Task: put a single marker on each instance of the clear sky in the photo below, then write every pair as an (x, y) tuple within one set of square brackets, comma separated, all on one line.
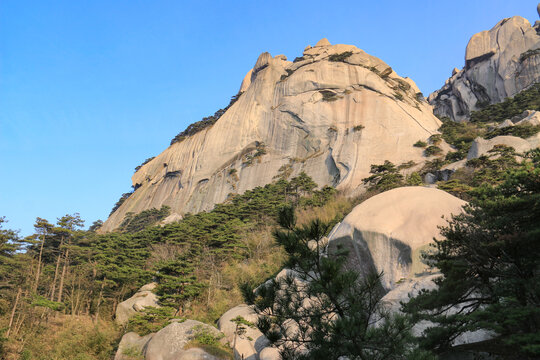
[(89, 89)]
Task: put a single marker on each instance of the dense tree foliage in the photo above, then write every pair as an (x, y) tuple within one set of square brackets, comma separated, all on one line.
[(62, 269), (490, 261), (388, 176), (137, 222), (528, 99)]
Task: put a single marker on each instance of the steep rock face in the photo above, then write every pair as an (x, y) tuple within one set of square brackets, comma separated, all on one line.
[(331, 119), (388, 231), (499, 63)]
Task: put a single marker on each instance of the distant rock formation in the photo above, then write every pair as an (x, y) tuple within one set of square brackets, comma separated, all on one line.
[(499, 63), (332, 113)]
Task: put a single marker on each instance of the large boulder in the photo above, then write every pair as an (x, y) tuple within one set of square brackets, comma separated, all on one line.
[(132, 346), (167, 344), (143, 298), (388, 231), (195, 354), (481, 146), (499, 63), (251, 342)]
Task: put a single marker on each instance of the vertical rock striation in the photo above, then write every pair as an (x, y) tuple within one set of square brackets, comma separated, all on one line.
[(331, 113)]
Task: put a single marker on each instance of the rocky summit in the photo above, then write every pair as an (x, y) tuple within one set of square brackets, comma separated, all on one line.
[(499, 63), (331, 113)]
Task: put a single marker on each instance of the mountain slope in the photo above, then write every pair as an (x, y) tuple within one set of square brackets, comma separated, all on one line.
[(331, 113)]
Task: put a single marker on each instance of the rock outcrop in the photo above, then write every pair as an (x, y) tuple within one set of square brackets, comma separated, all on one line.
[(332, 113), (481, 146), (144, 297), (167, 344), (499, 63), (388, 231), (251, 342)]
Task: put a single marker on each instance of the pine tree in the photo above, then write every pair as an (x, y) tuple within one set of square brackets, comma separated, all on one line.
[(323, 311), (490, 262)]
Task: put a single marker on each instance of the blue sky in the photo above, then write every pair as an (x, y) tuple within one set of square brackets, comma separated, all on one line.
[(89, 89)]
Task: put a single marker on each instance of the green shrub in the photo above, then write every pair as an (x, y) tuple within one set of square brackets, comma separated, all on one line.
[(403, 85), (358, 127), (205, 122), (144, 163), (529, 53), (340, 57), (455, 187), (133, 353), (385, 177), (209, 342), (150, 319), (523, 131), (414, 179), (432, 150), (460, 134), (328, 95), (528, 99), (133, 223), (43, 302), (205, 336), (119, 203), (406, 165), (260, 150), (453, 156), (420, 143), (318, 198), (435, 139)]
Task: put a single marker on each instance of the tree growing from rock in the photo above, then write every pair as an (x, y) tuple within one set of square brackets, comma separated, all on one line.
[(322, 310)]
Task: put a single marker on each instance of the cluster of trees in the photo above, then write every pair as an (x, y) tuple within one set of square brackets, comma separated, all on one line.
[(490, 261), (526, 100), (62, 269), (388, 176)]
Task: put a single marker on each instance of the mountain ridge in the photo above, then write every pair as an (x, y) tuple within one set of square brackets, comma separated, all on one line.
[(325, 114)]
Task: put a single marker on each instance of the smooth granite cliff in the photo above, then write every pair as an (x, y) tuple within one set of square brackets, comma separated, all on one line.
[(331, 113)]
